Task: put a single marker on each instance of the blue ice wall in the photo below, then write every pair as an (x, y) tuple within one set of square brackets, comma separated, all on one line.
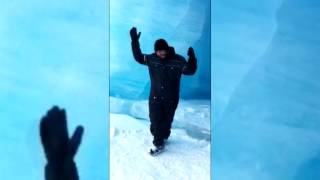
[(52, 53), (266, 90), (182, 23)]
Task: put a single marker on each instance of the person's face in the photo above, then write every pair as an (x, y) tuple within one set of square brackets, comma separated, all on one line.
[(162, 54)]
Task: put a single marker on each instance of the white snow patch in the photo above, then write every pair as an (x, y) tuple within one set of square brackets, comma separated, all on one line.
[(184, 158)]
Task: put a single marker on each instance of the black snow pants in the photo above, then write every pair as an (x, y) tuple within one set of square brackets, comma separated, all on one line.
[(161, 114)]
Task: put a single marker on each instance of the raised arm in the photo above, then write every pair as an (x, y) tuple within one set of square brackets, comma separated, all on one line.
[(191, 66), (136, 51)]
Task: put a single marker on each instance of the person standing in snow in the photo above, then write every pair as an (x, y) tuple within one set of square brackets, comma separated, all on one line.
[(165, 70)]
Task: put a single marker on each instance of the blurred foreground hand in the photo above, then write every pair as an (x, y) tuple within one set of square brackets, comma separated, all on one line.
[(59, 149)]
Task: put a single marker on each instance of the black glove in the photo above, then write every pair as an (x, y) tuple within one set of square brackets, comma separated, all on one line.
[(172, 52), (58, 147), (191, 53), (134, 35)]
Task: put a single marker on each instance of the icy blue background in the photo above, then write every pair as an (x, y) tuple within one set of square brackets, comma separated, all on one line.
[(183, 23), (265, 72), (266, 89), (52, 52)]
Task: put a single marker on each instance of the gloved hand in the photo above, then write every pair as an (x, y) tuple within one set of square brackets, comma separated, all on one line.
[(58, 147), (172, 52), (134, 35), (191, 53)]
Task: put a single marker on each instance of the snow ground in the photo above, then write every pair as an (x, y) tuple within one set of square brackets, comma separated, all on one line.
[(187, 154)]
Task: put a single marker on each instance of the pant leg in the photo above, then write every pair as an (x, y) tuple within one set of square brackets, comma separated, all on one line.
[(156, 115), (169, 111)]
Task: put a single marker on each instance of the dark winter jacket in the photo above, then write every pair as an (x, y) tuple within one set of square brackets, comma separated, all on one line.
[(165, 74)]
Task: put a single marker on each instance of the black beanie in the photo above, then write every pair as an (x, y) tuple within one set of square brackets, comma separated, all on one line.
[(161, 44)]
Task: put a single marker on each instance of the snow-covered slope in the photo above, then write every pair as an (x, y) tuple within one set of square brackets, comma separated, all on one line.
[(187, 154)]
